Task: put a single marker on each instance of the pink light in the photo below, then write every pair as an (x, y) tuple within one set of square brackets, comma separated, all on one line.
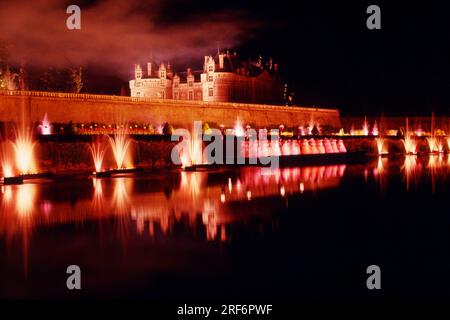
[(45, 127)]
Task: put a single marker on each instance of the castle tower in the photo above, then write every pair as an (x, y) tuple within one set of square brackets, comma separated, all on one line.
[(162, 71), (208, 79), (137, 71)]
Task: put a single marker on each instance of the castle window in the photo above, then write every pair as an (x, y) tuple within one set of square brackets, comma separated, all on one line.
[(176, 85), (162, 74), (190, 83), (190, 95), (210, 78), (210, 92), (176, 96), (210, 68)]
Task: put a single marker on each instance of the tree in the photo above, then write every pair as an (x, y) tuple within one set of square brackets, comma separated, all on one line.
[(167, 129), (76, 77), (4, 55), (8, 79)]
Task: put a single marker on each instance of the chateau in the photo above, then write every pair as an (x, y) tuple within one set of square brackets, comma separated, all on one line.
[(223, 79)]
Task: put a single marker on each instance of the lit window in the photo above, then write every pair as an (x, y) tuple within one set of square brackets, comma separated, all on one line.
[(190, 83), (190, 95), (176, 96), (210, 78), (210, 68), (210, 92), (163, 74)]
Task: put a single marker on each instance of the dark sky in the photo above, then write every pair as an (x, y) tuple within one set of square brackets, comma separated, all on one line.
[(326, 53)]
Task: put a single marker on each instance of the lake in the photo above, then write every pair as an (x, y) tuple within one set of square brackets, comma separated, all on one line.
[(233, 233)]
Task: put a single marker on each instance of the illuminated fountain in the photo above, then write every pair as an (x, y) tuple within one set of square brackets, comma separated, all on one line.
[(365, 128), (263, 148), (341, 146), (286, 149), (380, 146), (295, 148), (334, 147), (120, 144), (191, 152), (98, 150), (313, 147), (17, 157), (238, 128), (435, 144), (375, 130), (45, 127), (24, 151), (275, 149), (327, 146), (409, 141), (320, 147)]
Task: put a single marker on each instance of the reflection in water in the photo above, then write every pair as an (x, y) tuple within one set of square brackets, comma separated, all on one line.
[(380, 173), (18, 215), (153, 208), (410, 170), (209, 204)]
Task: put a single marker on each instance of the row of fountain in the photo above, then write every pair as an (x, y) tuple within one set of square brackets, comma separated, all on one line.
[(18, 158), (258, 148), (436, 144)]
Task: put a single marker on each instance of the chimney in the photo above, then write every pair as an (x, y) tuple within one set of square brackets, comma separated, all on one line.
[(149, 69), (221, 56)]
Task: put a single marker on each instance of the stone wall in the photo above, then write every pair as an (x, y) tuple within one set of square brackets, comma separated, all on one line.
[(86, 108)]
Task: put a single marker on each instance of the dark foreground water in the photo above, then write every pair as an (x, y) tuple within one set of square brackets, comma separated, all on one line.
[(227, 234)]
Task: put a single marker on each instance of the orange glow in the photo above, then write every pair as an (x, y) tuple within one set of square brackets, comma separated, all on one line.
[(24, 151), (435, 144), (120, 145), (25, 200), (98, 150), (7, 160), (380, 145)]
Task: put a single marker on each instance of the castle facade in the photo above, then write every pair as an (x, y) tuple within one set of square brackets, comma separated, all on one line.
[(223, 79)]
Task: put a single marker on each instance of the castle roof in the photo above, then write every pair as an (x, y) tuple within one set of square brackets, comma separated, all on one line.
[(183, 75)]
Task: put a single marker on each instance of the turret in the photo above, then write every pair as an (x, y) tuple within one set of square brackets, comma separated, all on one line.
[(162, 71), (209, 64), (137, 71)]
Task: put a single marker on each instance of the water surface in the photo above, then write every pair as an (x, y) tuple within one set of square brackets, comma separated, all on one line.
[(302, 232)]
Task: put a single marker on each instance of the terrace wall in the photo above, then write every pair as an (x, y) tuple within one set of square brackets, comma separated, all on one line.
[(86, 108)]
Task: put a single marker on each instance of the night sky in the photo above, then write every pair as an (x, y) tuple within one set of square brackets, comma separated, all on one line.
[(326, 53)]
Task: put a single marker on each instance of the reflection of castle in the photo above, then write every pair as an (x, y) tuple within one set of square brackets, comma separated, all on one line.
[(223, 79)]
